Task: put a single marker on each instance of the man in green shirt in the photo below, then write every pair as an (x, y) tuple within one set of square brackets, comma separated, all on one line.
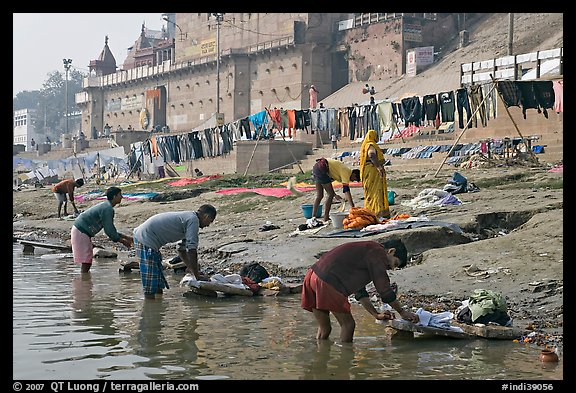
[(92, 221)]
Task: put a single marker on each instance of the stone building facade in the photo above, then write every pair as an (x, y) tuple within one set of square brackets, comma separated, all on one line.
[(266, 60)]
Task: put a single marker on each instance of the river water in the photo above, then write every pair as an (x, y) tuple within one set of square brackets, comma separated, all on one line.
[(69, 326)]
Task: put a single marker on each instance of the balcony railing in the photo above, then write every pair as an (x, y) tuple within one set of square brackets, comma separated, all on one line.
[(166, 66), (526, 66)]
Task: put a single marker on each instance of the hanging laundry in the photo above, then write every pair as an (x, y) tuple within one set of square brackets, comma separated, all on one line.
[(528, 98), (509, 92), (430, 108), (558, 96), (447, 106), (544, 92), (462, 103), (477, 104), (411, 110)]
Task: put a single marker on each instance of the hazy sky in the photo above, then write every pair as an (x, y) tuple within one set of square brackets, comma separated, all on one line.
[(41, 41)]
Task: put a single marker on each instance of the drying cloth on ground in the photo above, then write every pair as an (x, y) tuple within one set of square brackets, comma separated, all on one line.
[(269, 191), (432, 197), (192, 180), (303, 186), (128, 196), (399, 225), (127, 183), (131, 196), (89, 196), (274, 191)]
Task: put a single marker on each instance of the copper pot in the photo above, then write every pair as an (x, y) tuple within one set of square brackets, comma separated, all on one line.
[(548, 355)]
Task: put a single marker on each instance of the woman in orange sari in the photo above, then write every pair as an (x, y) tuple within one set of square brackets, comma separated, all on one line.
[(373, 176)]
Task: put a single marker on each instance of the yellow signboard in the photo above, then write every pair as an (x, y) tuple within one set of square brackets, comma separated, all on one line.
[(207, 47)]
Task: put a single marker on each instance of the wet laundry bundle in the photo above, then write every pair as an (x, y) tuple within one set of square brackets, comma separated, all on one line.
[(254, 271), (484, 306)]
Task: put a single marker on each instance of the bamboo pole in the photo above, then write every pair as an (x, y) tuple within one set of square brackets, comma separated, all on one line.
[(395, 118), (79, 166), (98, 169), (284, 139), (133, 166), (254, 151), (513, 121), (117, 171), (469, 121)]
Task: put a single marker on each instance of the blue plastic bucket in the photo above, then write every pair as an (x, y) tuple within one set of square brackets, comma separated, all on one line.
[(307, 210), (391, 197)]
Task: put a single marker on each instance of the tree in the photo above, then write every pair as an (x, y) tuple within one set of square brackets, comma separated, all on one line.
[(26, 99), (53, 91), (50, 102)]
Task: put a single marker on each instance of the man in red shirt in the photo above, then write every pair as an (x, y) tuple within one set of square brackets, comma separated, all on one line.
[(66, 188), (346, 270)]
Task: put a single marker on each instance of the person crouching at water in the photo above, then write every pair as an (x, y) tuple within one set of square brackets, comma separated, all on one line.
[(346, 270)]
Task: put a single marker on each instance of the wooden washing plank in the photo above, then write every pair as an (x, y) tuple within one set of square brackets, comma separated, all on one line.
[(491, 331), (30, 244), (469, 331), (403, 325), (198, 291)]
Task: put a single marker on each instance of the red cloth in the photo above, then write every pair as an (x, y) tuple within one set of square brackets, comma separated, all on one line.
[(291, 122), (275, 116), (322, 296), (254, 287)]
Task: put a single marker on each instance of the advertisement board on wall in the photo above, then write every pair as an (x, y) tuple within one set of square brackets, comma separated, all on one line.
[(132, 103), (416, 58), (412, 32)]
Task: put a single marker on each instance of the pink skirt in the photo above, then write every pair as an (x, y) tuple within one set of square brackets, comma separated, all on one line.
[(81, 246)]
